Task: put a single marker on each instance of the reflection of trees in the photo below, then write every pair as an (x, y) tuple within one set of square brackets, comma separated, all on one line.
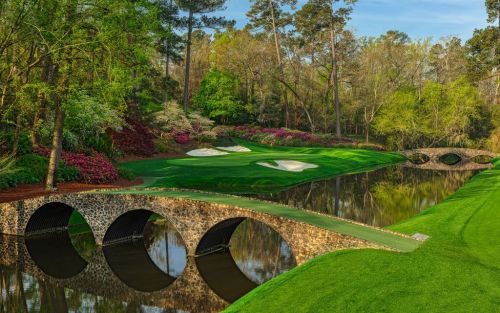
[(20, 293), (163, 243), (379, 198), (84, 244), (260, 252)]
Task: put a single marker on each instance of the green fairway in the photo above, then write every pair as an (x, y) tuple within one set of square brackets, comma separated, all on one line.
[(456, 270), (326, 222), (238, 172)]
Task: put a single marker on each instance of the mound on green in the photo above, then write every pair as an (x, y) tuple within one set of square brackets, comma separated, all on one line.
[(456, 270), (239, 173)]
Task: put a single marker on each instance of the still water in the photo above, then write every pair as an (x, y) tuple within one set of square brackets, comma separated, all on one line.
[(380, 198), (66, 272)]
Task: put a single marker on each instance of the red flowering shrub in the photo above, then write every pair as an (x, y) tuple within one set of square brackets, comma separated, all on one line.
[(135, 139), (93, 169), (182, 138)]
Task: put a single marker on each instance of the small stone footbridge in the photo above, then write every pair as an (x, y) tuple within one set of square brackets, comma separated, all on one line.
[(205, 222), (432, 159)]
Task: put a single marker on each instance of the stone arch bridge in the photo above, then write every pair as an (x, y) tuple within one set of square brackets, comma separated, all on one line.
[(433, 158), (114, 218), (203, 226)]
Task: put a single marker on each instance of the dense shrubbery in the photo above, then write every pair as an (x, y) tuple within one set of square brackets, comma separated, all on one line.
[(219, 98), (126, 173), (287, 137), (135, 139), (93, 169), (32, 169), (173, 123)]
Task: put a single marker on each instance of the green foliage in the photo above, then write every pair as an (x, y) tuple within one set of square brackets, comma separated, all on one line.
[(88, 117), (398, 118), (443, 114), (493, 10), (481, 49), (126, 173), (6, 164), (218, 98), (24, 145), (161, 146), (32, 169)]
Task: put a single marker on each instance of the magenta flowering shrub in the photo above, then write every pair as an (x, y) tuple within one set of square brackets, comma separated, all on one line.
[(182, 139), (288, 137), (135, 139), (94, 169)]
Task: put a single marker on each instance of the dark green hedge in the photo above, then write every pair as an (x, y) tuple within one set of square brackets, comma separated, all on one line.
[(32, 169)]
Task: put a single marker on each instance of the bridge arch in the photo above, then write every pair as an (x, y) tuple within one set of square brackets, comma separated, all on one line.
[(451, 159), (468, 159), (128, 257), (220, 268), (49, 242), (52, 216)]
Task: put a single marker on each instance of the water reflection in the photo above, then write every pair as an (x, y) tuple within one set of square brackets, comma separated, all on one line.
[(260, 252), (150, 263), (165, 246), (61, 254), (379, 198), (152, 275), (256, 254)]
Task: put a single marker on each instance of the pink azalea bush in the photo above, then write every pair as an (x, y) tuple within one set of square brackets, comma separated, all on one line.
[(93, 169), (287, 137)]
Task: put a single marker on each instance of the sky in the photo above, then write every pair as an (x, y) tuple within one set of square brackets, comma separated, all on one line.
[(417, 18)]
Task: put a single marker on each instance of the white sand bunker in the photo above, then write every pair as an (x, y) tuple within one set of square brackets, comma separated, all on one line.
[(206, 153), (289, 166), (235, 149)]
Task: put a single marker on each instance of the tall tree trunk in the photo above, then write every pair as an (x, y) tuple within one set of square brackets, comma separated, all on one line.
[(55, 153), (185, 100), (167, 57), (280, 61), (17, 134), (335, 79)]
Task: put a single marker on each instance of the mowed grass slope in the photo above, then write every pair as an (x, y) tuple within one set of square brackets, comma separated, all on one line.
[(238, 173), (457, 270)]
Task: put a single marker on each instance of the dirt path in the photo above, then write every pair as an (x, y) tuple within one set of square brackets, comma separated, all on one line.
[(31, 191)]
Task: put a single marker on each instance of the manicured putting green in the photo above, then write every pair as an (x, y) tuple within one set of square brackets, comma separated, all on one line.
[(239, 173)]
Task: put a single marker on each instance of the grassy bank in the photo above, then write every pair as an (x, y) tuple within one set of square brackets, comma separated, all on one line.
[(457, 270), (239, 173)]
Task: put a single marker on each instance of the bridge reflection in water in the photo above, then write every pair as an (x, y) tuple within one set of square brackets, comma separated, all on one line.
[(151, 271)]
